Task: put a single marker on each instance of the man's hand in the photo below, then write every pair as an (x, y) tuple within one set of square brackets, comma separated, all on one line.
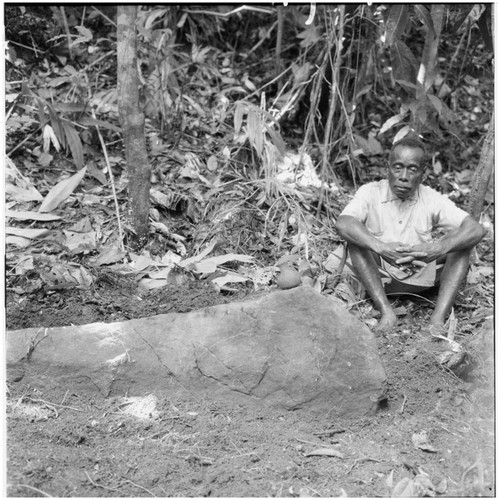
[(424, 252), (405, 257), (391, 252)]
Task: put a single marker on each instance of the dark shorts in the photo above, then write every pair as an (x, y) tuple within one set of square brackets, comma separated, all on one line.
[(394, 285)]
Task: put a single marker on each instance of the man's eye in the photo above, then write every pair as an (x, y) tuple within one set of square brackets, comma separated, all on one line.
[(413, 170)]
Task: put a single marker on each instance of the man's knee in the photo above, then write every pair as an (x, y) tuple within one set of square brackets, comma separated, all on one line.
[(364, 253)]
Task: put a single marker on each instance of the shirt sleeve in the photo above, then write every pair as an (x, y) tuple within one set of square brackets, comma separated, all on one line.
[(448, 215), (359, 206)]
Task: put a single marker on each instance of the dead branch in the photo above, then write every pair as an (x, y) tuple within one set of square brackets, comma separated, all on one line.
[(99, 485), (310, 442), (33, 344), (140, 487), (48, 403), (30, 488), (330, 432)]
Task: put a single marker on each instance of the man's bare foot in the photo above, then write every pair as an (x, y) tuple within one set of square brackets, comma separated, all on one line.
[(387, 322)]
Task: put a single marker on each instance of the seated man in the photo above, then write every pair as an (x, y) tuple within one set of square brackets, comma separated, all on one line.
[(389, 228)]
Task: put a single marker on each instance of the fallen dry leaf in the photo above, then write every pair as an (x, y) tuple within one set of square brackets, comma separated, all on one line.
[(259, 276), (142, 262), (390, 479), (442, 486), (18, 241), (229, 277), (21, 194), (28, 215), (80, 242), (26, 263), (420, 486), (32, 234), (197, 258), (210, 265), (324, 452), (421, 442), (334, 259), (404, 489), (478, 273), (61, 191), (109, 255), (82, 226), (452, 325)]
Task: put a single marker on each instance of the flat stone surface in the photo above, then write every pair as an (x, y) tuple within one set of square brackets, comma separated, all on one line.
[(289, 349)]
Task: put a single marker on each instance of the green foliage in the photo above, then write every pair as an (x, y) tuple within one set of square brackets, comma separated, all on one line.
[(233, 88), (255, 117), (57, 130)]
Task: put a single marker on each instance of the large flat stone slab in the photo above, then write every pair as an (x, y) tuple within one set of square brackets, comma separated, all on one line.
[(289, 349)]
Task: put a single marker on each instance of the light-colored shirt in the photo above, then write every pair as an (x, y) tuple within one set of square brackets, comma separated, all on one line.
[(411, 221)]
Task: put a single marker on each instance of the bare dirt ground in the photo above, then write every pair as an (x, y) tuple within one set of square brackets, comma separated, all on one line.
[(434, 437)]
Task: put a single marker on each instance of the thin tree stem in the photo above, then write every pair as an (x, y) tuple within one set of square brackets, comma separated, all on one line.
[(112, 182)]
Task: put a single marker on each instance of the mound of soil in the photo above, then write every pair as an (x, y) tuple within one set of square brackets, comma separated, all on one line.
[(435, 435)]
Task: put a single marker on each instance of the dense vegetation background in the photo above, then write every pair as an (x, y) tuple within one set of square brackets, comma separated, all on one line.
[(259, 122)]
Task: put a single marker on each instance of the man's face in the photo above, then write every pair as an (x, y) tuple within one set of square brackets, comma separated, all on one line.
[(406, 171)]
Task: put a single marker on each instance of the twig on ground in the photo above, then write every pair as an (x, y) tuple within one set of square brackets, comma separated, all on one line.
[(450, 372), (30, 488), (480, 474), (312, 489), (311, 443), (64, 398), (141, 487), (329, 432), (55, 404), (402, 409), (33, 344), (50, 407), (99, 485), (452, 433), (415, 295), (364, 459)]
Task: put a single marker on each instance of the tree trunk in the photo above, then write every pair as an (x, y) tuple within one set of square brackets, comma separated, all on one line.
[(482, 174), (132, 121)]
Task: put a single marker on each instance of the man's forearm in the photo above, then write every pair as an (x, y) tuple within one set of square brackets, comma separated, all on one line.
[(355, 233), (468, 235)]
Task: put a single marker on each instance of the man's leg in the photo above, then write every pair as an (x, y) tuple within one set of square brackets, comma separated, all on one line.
[(454, 272), (367, 270)]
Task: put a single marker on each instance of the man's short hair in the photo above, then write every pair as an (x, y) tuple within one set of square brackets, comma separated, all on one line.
[(411, 140)]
